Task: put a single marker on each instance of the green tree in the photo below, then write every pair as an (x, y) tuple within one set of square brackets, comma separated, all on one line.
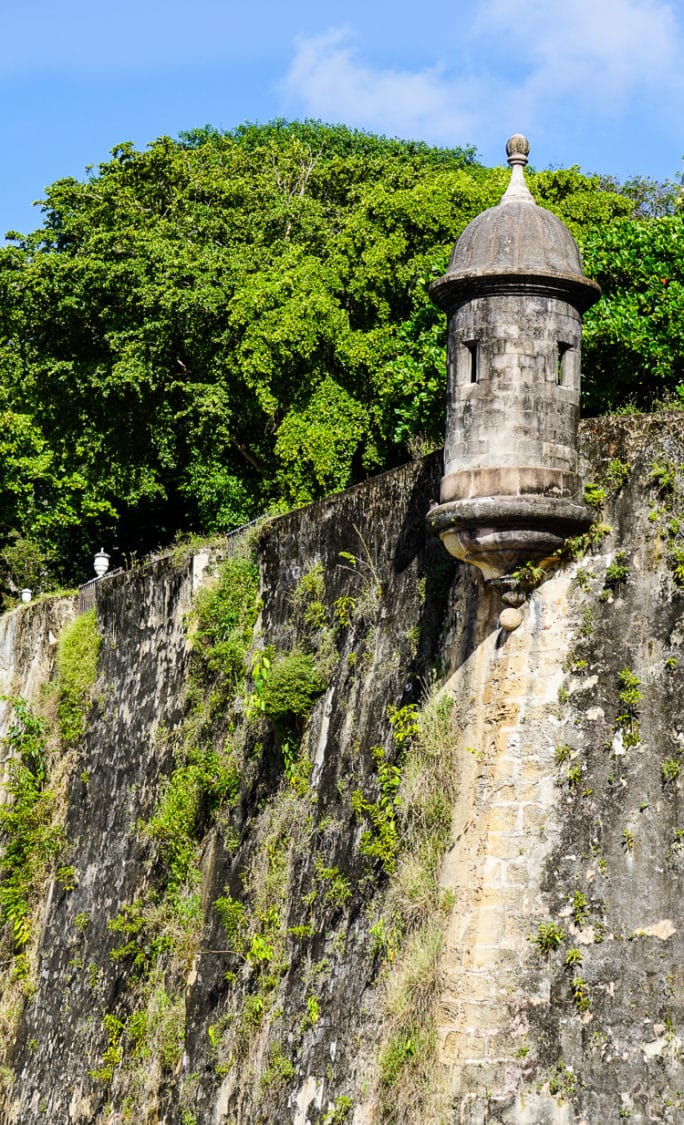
[(228, 323), (634, 338)]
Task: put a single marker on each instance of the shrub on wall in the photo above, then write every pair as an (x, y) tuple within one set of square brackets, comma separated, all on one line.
[(77, 655)]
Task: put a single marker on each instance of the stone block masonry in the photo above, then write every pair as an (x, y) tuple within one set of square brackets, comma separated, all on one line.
[(505, 829), (564, 822), (568, 815)]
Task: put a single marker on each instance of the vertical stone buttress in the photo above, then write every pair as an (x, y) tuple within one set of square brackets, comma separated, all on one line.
[(505, 828)]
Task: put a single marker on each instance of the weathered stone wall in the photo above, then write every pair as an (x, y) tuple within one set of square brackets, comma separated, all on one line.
[(113, 782), (516, 414), (564, 819), (558, 798), (28, 639)]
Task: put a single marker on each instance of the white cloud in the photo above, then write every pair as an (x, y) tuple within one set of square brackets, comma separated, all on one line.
[(532, 65), (328, 80), (596, 49)]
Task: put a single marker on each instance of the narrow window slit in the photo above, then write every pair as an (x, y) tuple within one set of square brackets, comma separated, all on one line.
[(473, 372), (563, 364)]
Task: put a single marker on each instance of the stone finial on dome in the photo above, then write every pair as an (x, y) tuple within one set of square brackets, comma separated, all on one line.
[(517, 150)]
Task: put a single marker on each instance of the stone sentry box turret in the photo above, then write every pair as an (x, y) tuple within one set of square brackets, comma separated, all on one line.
[(514, 294)]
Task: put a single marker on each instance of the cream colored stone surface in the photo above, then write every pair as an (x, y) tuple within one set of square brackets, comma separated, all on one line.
[(504, 827)]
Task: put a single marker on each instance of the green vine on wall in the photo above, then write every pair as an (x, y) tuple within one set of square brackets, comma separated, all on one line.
[(30, 838), (39, 756), (380, 841), (409, 835), (78, 650), (666, 478), (233, 692)]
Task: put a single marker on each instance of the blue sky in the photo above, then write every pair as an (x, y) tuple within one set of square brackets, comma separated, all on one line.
[(598, 83)]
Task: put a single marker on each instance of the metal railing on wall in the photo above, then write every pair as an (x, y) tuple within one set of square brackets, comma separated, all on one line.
[(86, 592), (231, 536)]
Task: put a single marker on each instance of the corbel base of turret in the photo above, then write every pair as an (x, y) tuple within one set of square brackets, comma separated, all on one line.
[(502, 535)]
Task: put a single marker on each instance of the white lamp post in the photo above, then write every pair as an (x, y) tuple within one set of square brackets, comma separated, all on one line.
[(26, 595), (101, 563)]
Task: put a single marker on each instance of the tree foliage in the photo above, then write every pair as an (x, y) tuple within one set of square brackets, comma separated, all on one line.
[(234, 322), (633, 340)]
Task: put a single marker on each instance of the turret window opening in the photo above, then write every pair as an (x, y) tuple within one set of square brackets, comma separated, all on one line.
[(564, 366), (473, 374)]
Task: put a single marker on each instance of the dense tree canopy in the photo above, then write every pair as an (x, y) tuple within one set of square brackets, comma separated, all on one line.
[(233, 322)]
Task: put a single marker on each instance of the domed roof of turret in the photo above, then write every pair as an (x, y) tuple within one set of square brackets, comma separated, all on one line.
[(515, 242)]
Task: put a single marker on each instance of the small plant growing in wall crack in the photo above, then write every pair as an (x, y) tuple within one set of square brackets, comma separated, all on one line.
[(671, 769), (580, 994), (336, 887), (630, 697), (529, 575), (343, 610), (339, 1112), (628, 839), (595, 495), (630, 694), (381, 841), (261, 669), (549, 937), (617, 572), (67, 877), (307, 599), (573, 775), (580, 908), (663, 475), (386, 938), (573, 958), (581, 579), (280, 1068), (313, 1012), (563, 1081), (113, 1052), (398, 1052), (617, 474), (676, 560), (404, 721), (587, 626)]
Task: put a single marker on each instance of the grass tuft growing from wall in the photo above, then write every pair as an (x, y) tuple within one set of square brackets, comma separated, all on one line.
[(413, 925), (78, 649), (29, 838)]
